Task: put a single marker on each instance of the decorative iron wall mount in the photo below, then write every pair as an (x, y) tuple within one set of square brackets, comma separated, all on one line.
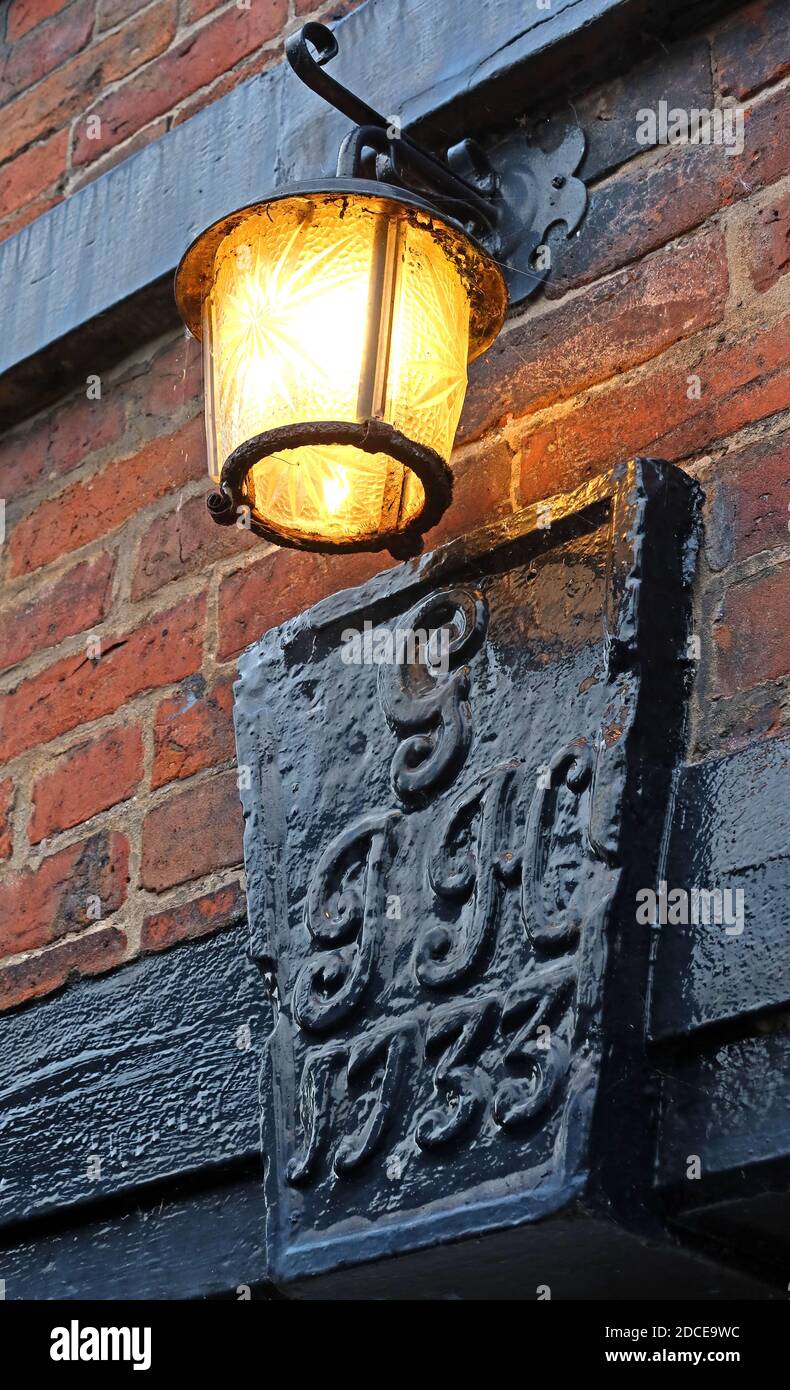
[(437, 853), (509, 197)]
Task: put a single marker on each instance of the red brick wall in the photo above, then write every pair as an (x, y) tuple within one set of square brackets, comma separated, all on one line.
[(664, 331)]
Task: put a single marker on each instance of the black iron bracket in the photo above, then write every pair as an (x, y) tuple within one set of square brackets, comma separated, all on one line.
[(507, 197)]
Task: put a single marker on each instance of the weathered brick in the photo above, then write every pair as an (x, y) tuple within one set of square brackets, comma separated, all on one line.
[(9, 226), (649, 204), (30, 174), (6, 810), (184, 541), (198, 9), (83, 426), (728, 724), (193, 833), (748, 502), (481, 492), (750, 48), (24, 15), (85, 780), (59, 441), (172, 381), (31, 58), (752, 638), (71, 889), (112, 12), (250, 67), (74, 602), (67, 90), (200, 917), (98, 504), (192, 731), (604, 331), (204, 55), (78, 689), (281, 584), (23, 458), (755, 400), (346, 571), (653, 413), (88, 954), (768, 242)]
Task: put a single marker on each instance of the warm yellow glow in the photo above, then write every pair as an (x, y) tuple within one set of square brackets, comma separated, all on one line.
[(331, 308), (336, 490)]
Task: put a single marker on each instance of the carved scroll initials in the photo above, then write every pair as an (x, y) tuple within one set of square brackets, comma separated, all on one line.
[(470, 867), (571, 766), (427, 708), (343, 909), (446, 956), (314, 1101)]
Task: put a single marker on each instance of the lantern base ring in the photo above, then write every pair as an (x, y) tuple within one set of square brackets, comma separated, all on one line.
[(372, 436)]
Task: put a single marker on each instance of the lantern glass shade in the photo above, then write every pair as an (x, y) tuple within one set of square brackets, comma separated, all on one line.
[(332, 311)]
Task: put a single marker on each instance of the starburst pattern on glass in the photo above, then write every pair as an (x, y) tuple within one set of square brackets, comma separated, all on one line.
[(343, 310)]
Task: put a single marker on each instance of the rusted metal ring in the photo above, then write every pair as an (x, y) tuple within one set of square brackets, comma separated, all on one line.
[(373, 437)]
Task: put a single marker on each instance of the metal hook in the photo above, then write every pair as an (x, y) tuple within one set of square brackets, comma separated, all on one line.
[(309, 68), (507, 197)]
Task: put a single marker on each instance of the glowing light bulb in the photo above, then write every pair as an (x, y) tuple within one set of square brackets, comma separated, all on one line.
[(336, 490)]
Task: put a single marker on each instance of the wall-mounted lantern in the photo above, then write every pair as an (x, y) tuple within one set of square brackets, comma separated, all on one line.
[(338, 318)]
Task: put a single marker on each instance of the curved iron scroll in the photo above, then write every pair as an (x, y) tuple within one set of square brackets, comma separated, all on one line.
[(507, 197), (310, 66)]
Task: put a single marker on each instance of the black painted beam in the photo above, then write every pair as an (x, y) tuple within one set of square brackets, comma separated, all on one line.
[(729, 1107), (729, 832), (173, 1244), (134, 1078)]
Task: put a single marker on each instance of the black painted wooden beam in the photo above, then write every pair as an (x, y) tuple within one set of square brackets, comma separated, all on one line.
[(728, 1106), (729, 832), (179, 1242), (136, 1078)]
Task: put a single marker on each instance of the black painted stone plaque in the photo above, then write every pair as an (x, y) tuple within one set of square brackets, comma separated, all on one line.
[(440, 837)]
